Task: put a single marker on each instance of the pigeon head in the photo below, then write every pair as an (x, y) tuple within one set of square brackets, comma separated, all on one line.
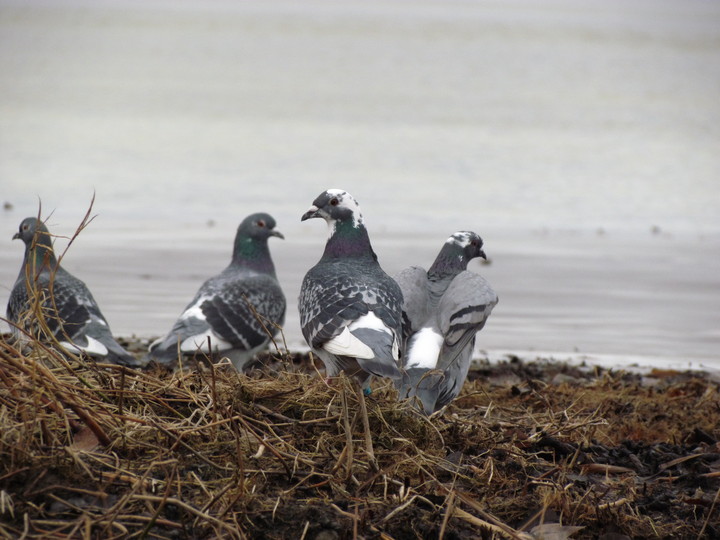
[(38, 242), (348, 236), (27, 230), (470, 243), (456, 253), (258, 226), (335, 206), (251, 246)]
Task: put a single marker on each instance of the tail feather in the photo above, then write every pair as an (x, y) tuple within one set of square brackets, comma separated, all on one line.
[(381, 342)]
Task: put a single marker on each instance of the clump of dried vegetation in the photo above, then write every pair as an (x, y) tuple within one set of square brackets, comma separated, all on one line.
[(102, 451)]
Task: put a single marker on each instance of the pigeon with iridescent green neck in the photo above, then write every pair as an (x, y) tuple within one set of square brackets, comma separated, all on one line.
[(444, 309), (236, 313), (350, 309), (51, 305)]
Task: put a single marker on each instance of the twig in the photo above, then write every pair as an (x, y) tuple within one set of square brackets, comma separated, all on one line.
[(348, 435), (366, 428), (710, 513), (448, 513)]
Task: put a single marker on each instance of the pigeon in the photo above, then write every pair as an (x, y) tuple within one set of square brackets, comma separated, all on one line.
[(236, 313), (444, 308), (69, 311), (350, 309)]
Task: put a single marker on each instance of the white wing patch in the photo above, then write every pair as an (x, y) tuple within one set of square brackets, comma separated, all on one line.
[(93, 348), (369, 321), (199, 342), (195, 311), (345, 344), (424, 349), (374, 322)]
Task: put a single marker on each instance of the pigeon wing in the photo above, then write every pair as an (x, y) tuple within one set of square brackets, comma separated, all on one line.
[(413, 283), (64, 312), (78, 317), (246, 313), (462, 312), (329, 301)]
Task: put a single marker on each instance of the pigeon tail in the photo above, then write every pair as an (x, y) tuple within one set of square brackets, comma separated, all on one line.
[(384, 346)]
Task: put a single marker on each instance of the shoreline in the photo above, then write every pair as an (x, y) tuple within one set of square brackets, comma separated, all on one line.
[(643, 366), (609, 298)]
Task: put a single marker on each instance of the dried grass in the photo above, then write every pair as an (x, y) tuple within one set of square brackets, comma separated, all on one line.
[(101, 451)]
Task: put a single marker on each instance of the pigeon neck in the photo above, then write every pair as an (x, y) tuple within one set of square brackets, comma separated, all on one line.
[(39, 255), (450, 262), (253, 254), (347, 240)]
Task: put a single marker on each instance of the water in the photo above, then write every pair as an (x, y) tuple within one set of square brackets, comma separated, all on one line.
[(562, 133)]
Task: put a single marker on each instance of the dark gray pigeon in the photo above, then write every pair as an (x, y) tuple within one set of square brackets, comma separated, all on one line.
[(238, 310), (444, 309), (350, 309), (70, 312)]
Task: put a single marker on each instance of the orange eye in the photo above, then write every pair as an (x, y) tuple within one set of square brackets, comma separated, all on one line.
[(261, 223)]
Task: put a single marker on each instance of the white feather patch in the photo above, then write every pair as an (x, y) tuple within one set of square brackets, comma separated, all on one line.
[(346, 344), (155, 343), (374, 322), (369, 321), (345, 200), (93, 348), (195, 311), (331, 227), (461, 238), (424, 349), (199, 342)]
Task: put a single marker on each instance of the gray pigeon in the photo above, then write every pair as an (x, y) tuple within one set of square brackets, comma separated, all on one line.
[(444, 309), (350, 309), (69, 310), (238, 310)]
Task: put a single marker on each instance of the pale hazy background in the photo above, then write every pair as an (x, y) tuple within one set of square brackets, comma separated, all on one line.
[(581, 139)]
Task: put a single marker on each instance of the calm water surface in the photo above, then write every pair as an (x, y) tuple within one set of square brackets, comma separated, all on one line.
[(562, 133)]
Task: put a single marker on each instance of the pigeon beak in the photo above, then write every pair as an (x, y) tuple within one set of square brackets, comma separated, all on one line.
[(482, 254), (277, 233), (16, 236), (311, 213)]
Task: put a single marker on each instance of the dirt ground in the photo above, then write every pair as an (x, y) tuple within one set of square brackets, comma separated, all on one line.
[(529, 450)]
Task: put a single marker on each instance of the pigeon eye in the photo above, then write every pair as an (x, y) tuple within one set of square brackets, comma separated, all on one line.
[(261, 223), (334, 202), (474, 243)]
